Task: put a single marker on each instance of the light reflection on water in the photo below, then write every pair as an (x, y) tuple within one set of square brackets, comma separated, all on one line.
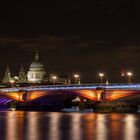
[(18, 125), (130, 124)]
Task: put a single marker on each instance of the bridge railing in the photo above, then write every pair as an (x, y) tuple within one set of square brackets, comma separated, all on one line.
[(71, 87)]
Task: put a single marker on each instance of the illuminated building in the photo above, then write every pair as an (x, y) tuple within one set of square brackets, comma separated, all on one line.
[(36, 73), (7, 77), (22, 76)]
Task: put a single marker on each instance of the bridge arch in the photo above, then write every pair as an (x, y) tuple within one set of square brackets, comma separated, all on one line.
[(17, 96), (123, 95), (5, 100), (62, 95)]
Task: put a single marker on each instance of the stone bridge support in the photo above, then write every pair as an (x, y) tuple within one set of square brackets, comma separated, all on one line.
[(103, 105)]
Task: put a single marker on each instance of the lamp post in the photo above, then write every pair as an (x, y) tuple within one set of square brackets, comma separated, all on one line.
[(16, 78), (129, 76), (101, 75), (54, 79), (76, 76), (12, 82)]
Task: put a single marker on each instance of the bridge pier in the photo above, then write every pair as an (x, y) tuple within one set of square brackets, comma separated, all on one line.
[(122, 107)]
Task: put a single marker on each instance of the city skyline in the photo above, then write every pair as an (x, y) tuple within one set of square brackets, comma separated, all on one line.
[(124, 75)]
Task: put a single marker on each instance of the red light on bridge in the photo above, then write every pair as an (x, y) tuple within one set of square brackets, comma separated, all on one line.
[(123, 73)]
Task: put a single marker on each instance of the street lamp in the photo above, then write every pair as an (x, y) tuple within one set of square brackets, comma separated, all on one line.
[(12, 82), (16, 78), (101, 75), (129, 76), (76, 76), (54, 79)]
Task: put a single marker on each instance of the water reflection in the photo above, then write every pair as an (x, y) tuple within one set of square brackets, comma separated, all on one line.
[(115, 126), (14, 126), (54, 132), (130, 128), (88, 126), (71, 126), (101, 127), (32, 126), (76, 126)]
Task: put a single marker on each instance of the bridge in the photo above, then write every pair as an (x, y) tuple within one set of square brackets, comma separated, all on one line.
[(58, 94)]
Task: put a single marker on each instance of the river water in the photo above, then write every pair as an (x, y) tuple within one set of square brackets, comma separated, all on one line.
[(20, 125)]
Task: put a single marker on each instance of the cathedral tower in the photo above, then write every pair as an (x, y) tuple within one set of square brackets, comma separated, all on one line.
[(22, 75), (7, 77)]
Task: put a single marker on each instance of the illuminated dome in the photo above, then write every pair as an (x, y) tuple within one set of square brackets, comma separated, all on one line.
[(36, 73), (36, 63)]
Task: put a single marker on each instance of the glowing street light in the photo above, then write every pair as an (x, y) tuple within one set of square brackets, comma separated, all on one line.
[(101, 75), (12, 82), (54, 79), (122, 74), (16, 78), (129, 74), (76, 76)]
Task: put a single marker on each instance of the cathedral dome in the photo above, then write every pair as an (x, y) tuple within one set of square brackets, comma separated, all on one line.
[(36, 64), (36, 73)]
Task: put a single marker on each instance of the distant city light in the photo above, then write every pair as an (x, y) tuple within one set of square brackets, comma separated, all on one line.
[(129, 73), (12, 81), (16, 77), (129, 76), (101, 75), (76, 76), (54, 77)]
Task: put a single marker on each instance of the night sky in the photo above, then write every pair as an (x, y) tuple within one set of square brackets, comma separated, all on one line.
[(83, 36)]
